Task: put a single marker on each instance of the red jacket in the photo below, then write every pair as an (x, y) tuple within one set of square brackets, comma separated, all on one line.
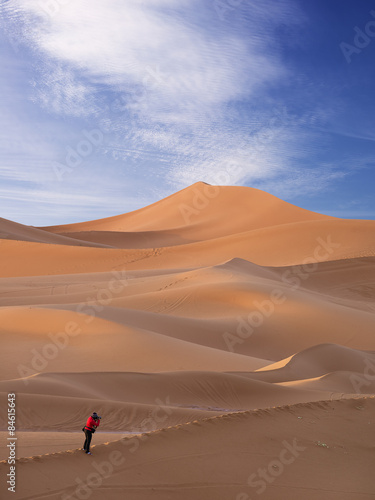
[(92, 424)]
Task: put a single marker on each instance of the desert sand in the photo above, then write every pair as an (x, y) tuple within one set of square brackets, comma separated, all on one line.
[(225, 336)]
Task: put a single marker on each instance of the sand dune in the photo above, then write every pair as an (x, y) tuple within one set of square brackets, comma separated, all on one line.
[(202, 212), (324, 358), (10, 230), (49, 412), (43, 443), (195, 390), (339, 382), (193, 322), (128, 239), (69, 340), (316, 450), (298, 243), (237, 222), (231, 308), (320, 360)]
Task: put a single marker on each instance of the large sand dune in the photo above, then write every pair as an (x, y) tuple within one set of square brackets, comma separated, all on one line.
[(213, 323), (310, 451)]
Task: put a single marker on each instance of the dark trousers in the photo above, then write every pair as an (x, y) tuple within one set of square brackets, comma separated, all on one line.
[(86, 445)]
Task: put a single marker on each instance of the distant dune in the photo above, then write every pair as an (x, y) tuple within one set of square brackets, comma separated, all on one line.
[(221, 325)]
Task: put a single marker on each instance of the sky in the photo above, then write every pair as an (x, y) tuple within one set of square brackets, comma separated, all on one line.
[(107, 106)]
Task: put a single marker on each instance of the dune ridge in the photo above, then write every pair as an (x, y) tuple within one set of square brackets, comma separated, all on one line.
[(211, 458)]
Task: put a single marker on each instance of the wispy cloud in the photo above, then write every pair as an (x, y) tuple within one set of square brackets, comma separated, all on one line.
[(178, 89), (187, 63)]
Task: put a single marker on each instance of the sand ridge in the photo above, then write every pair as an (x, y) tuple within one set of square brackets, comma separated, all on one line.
[(223, 457)]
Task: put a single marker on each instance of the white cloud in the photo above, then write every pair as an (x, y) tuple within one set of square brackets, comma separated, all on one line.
[(185, 68), (162, 79)]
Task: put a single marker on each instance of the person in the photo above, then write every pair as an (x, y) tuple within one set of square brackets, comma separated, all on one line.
[(91, 425)]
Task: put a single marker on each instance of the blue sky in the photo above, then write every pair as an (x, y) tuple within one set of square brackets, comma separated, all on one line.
[(109, 105)]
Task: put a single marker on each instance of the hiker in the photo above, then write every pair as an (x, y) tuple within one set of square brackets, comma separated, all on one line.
[(91, 425)]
